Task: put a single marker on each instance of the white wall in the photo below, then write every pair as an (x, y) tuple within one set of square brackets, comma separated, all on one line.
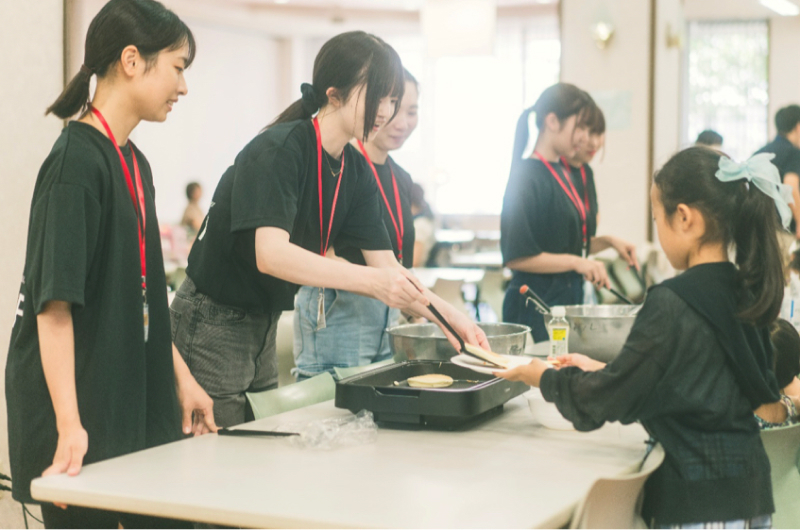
[(618, 78), (784, 67), (32, 78)]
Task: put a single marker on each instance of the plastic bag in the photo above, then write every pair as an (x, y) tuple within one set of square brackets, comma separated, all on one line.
[(332, 433)]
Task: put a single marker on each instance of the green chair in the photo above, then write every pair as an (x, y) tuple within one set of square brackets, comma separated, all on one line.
[(298, 395), (341, 373), (782, 445)]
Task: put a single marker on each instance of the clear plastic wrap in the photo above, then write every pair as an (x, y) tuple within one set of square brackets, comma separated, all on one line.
[(332, 433)]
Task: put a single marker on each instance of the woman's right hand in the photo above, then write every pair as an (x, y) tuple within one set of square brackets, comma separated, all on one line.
[(593, 271), (397, 287)]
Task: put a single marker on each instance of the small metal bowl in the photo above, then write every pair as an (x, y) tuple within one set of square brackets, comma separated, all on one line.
[(427, 341)]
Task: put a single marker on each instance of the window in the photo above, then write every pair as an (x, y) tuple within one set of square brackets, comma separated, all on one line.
[(726, 86)]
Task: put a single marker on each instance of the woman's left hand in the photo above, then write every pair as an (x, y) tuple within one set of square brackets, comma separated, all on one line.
[(530, 374), (626, 251), (197, 408)]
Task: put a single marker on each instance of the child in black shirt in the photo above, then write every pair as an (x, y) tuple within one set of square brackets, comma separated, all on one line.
[(698, 360)]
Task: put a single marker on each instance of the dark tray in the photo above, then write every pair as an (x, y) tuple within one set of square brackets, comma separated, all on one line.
[(472, 397)]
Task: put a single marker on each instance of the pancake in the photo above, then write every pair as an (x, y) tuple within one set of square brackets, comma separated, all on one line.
[(430, 381)]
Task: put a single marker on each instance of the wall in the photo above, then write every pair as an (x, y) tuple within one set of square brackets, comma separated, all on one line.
[(32, 78), (618, 78), (784, 71)]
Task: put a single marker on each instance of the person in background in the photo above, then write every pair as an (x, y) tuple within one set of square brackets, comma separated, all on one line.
[(698, 360), (583, 180), (709, 138), (91, 372), (786, 365), (547, 229), (298, 189), (425, 237), (786, 148), (193, 216), (355, 330)]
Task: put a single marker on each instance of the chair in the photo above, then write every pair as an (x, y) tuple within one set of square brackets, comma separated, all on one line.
[(450, 292), (615, 502), (341, 373), (298, 395), (284, 346), (493, 291), (782, 445)]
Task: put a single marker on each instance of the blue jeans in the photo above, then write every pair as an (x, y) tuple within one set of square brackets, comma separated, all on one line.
[(355, 332)]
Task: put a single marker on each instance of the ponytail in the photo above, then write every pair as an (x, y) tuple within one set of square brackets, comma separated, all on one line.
[(75, 97), (146, 24), (758, 256), (345, 62), (735, 213)]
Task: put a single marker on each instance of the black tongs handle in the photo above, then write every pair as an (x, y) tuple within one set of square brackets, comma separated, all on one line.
[(447, 325), (245, 432)]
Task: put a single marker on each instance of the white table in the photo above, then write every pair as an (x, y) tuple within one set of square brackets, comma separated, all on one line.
[(490, 259), (507, 473), (429, 275)]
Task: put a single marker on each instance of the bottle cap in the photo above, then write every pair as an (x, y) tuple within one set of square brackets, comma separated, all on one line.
[(559, 311)]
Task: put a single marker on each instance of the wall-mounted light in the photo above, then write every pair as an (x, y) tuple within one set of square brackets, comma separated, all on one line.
[(785, 8), (602, 33), (674, 38)]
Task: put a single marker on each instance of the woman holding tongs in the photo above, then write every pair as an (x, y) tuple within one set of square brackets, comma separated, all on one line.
[(548, 227)]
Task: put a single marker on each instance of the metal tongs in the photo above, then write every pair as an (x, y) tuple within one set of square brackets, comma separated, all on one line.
[(540, 305)]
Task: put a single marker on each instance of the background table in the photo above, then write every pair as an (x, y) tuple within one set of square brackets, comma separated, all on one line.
[(508, 472)]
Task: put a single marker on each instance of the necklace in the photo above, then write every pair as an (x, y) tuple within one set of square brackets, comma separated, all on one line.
[(330, 167)]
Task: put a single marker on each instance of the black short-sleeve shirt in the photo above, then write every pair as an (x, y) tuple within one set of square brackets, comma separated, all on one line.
[(538, 216), (404, 182), (274, 182), (83, 248), (787, 156)]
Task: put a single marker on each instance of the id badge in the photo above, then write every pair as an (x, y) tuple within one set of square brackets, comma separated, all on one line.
[(321, 310), (146, 319)]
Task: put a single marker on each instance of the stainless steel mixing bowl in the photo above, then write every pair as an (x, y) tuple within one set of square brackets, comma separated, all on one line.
[(426, 341), (599, 331)]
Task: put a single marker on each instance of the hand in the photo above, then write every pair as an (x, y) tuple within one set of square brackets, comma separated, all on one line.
[(73, 442), (626, 251), (397, 287), (197, 407), (468, 330), (530, 374), (580, 361), (593, 271)]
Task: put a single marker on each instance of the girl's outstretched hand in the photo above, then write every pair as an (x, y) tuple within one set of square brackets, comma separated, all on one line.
[(580, 361), (530, 374)]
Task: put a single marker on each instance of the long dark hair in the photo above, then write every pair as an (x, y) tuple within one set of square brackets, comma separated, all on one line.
[(146, 24), (737, 214), (345, 62), (562, 99)]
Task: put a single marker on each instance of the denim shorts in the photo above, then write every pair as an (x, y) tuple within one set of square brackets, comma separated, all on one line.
[(229, 350), (354, 335)]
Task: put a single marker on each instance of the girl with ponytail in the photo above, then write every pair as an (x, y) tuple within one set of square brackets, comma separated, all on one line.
[(91, 370), (698, 360), (295, 192)]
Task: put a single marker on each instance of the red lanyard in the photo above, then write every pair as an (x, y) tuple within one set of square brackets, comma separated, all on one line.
[(134, 190), (572, 193), (323, 241), (399, 229), (583, 178)]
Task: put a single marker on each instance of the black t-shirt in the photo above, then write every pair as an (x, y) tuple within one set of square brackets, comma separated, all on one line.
[(538, 216), (83, 248), (787, 160), (354, 255), (274, 182)]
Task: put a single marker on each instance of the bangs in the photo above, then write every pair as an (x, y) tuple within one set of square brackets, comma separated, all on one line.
[(384, 77), (185, 38), (592, 118)]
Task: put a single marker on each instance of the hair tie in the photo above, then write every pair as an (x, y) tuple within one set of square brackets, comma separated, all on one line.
[(763, 174), (309, 99), (86, 70)]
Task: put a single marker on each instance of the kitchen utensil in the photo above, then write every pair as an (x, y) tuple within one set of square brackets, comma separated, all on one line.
[(224, 431)]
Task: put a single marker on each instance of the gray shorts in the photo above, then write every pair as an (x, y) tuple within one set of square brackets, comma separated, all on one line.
[(229, 351)]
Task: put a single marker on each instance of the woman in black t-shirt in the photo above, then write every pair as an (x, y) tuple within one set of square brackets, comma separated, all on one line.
[(355, 332), (91, 372), (295, 191), (547, 226)]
